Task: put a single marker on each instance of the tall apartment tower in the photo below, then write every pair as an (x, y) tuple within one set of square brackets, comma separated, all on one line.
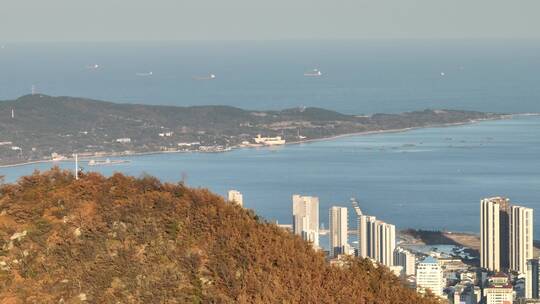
[(306, 218), (429, 275), (338, 230), (532, 282), (494, 233), (386, 238), (366, 246), (521, 238), (377, 240), (236, 197)]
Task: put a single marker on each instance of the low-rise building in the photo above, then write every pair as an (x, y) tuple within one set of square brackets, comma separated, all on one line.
[(499, 290), (429, 275)]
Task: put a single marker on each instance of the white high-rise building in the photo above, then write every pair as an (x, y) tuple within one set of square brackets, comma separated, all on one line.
[(365, 239), (306, 218), (236, 197), (377, 240), (494, 233), (429, 275), (386, 237), (338, 231), (405, 259), (521, 238)]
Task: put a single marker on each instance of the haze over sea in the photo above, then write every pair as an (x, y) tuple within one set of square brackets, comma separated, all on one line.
[(364, 76), (429, 178)]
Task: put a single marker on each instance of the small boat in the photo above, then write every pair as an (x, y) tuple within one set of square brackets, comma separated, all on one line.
[(93, 66), (145, 74), (209, 77), (314, 73)]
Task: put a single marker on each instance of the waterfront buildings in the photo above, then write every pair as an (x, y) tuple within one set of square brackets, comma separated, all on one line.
[(499, 290), (521, 238), (338, 231), (494, 233), (429, 275), (506, 235), (532, 282), (236, 197), (365, 236), (306, 218), (377, 240), (405, 259)]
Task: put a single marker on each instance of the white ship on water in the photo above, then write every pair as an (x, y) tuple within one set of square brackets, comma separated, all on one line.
[(106, 162), (145, 74), (314, 73), (93, 66), (269, 141), (209, 77)]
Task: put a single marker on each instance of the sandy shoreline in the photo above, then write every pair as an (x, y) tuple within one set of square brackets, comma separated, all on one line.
[(374, 132)]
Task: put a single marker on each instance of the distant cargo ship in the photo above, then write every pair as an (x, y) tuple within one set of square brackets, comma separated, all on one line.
[(93, 66), (107, 162), (145, 74), (314, 73), (269, 141), (209, 77)]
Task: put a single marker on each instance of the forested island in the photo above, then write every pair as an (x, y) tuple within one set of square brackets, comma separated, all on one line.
[(41, 128)]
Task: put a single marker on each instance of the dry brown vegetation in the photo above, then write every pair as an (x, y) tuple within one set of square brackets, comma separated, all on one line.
[(137, 240)]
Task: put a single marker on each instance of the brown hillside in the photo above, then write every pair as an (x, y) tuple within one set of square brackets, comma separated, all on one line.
[(136, 240)]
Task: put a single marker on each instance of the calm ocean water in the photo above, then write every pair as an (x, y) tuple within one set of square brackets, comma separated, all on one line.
[(428, 178), (358, 76)]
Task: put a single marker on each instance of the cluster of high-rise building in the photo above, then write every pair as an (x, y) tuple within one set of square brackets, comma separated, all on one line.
[(508, 273), (376, 239), (506, 235)]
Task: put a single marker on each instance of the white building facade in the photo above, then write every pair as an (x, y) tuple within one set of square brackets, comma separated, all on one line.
[(521, 238), (338, 218), (306, 218), (429, 275), (236, 197)]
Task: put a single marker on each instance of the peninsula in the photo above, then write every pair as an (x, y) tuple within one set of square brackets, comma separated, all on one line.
[(42, 128)]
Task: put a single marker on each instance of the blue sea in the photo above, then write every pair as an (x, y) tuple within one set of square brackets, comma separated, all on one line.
[(427, 178)]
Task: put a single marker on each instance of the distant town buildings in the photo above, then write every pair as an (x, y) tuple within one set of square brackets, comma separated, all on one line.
[(236, 197), (506, 235), (429, 275), (269, 141), (338, 231), (306, 218), (166, 134), (123, 140), (376, 240)]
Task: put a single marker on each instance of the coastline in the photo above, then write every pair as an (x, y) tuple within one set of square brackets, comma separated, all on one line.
[(363, 133)]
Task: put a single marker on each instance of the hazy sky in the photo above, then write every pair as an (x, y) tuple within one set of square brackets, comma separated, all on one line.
[(103, 20)]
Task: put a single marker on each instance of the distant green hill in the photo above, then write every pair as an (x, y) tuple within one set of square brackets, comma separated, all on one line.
[(136, 240), (44, 125)]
